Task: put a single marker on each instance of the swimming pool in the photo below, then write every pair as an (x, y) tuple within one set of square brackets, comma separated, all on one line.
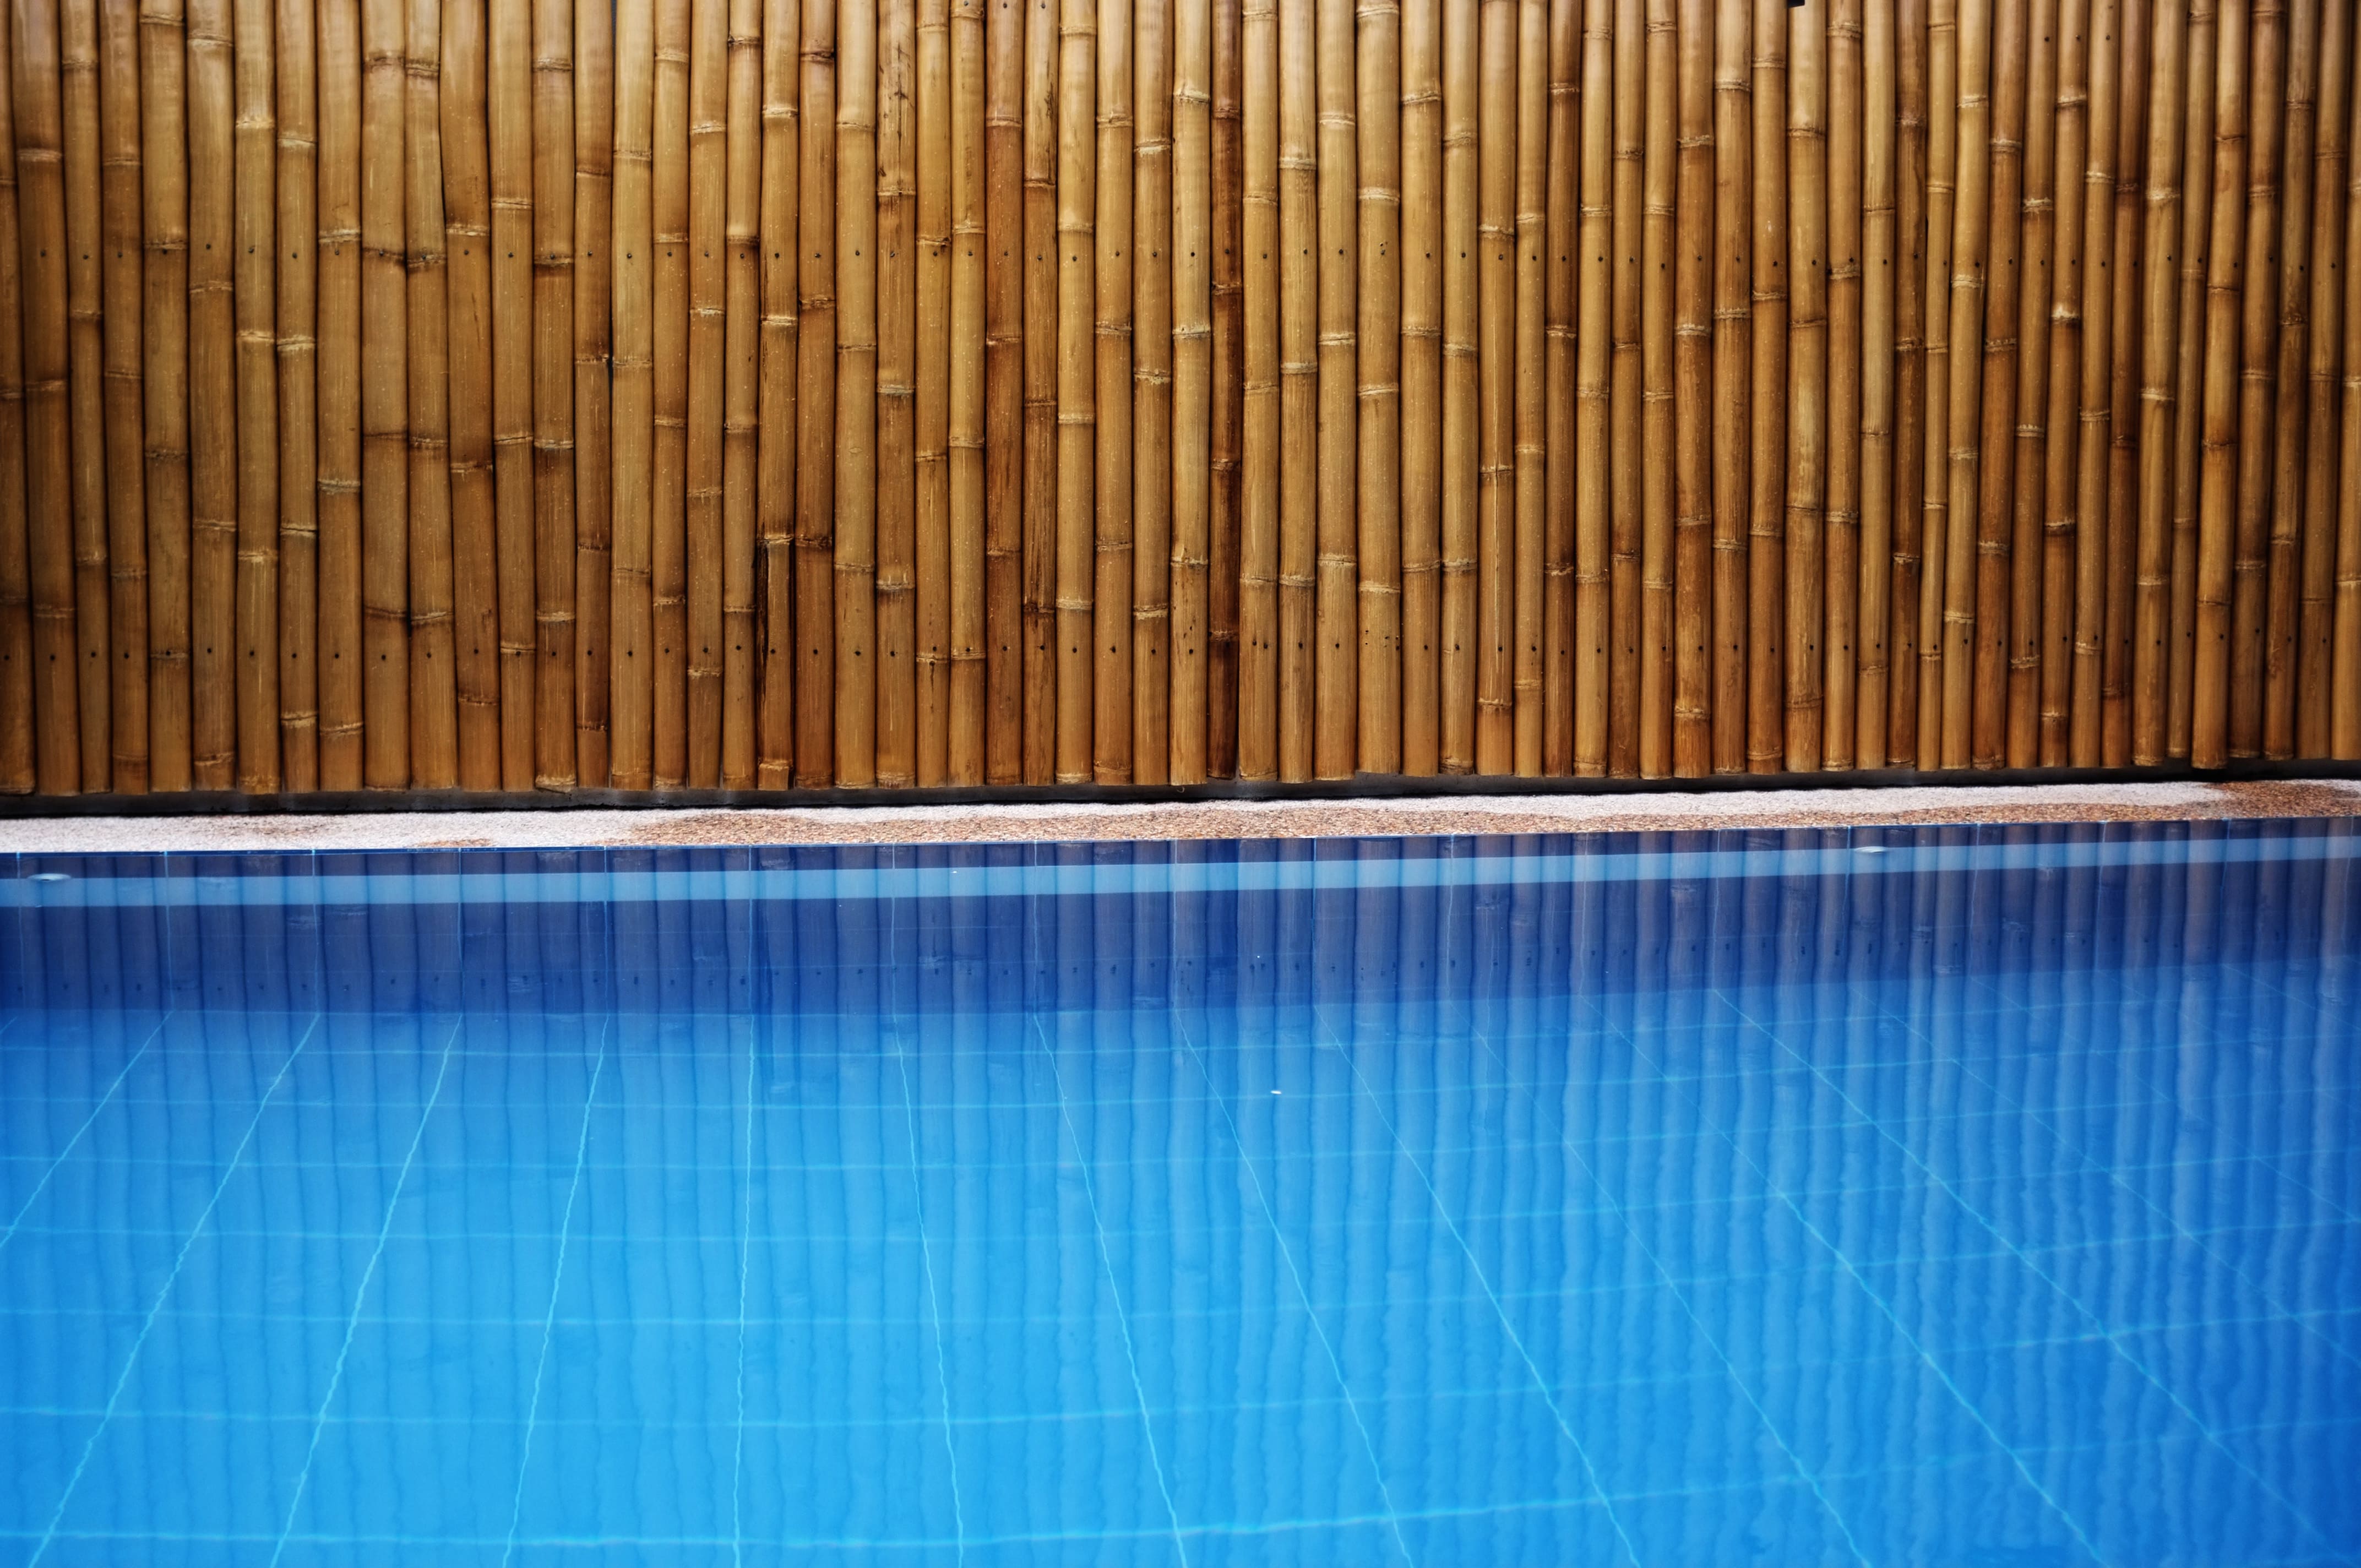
[(1973, 1195)]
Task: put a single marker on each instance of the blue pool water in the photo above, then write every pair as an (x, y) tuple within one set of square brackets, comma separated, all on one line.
[(1897, 1196)]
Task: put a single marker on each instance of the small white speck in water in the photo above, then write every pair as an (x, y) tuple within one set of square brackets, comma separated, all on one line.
[(1869, 848), (50, 876), (1274, 1092)]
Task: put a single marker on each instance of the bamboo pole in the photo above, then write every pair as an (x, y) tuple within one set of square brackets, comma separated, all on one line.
[(1335, 663), (2283, 605), (1988, 575), (1935, 506), (1191, 388), (1458, 482), (2345, 679), (1076, 383), (2125, 417), (86, 409), (1530, 558), (777, 437), (1420, 242), (1658, 247), (255, 237), (631, 751), (2071, 557), (2316, 633), (161, 252), (594, 560), (1623, 406), (1113, 265), (1970, 251), (896, 482), (965, 413), (1299, 397), (2038, 269), (341, 650), (2217, 517), (20, 770), (1879, 328), (2251, 543), (1558, 411), (1259, 497), (707, 550), (1846, 372), (2160, 319), (1006, 629), (38, 136), (1807, 390), (1733, 375), (1592, 394), (1039, 683), (1912, 383), (857, 422), (741, 336), (814, 462), (467, 224), (1694, 402), (298, 222), (931, 660), (1149, 592), (1377, 119), (1766, 544), (1229, 399), (2180, 610), (384, 397), (120, 297), (433, 706), (508, 125)]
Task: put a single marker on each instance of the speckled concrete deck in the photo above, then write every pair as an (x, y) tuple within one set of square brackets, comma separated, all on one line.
[(1219, 819)]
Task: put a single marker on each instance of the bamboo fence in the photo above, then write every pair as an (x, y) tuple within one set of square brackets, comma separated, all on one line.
[(434, 394)]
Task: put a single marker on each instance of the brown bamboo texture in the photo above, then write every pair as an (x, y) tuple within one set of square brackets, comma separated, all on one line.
[(931, 656), (705, 551), (121, 293), (630, 750), (509, 119), (1152, 273), (1189, 450), (434, 689), (741, 296), (594, 525), (468, 270), (895, 275), (345, 760), (1378, 122), (19, 765)]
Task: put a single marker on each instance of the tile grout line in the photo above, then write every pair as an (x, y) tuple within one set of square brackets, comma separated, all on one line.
[(88, 1122)]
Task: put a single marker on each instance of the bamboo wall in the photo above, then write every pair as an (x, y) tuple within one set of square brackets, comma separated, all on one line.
[(438, 394)]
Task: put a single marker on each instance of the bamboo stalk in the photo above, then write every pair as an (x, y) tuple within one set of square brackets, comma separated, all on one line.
[(39, 137), (1112, 740), (1624, 395), (1335, 666), (2180, 610), (433, 706), (1766, 739), (1879, 330), (2218, 510), (1459, 483), (2345, 679), (1076, 388), (86, 406), (775, 442), (1150, 591), (19, 771), (1990, 572), (1227, 398), (1934, 505), (741, 334), (1039, 681), (814, 462), (1299, 396), (2086, 70), (896, 474), (1528, 571), (508, 125), (708, 255), (1808, 399), (1377, 119), (594, 164), (2124, 385), (341, 650), (384, 397), (2284, 606), (2160, 318), (1006, 629), (2094, 434), (1694, 401), (161, 256), (1733, 375), (2039, 269), (631, 753), (255, 236), (931, 658), (120, 297), (966, 413), (1970, 251), (1259, 499), (1594, 413), (2316, 634), (857, 410), (1421, 403), (1192, 388), (1560, 304), (2251, 547), (465, 198), (298, 221), (1841, 566), (1912, 382)]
